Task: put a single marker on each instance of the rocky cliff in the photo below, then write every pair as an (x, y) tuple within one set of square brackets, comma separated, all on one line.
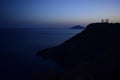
[(95, 51)]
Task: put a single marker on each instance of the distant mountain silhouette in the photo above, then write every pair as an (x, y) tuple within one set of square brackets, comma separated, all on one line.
[(77, 27), (93, 54)]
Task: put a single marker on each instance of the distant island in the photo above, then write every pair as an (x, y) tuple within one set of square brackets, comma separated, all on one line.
[(77, 27)]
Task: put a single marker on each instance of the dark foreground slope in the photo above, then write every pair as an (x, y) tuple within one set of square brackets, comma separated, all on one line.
[(95, 51)]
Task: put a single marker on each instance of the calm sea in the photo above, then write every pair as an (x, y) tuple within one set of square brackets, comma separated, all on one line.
[(18, 47)]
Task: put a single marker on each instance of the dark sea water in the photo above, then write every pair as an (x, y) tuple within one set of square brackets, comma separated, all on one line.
[(18, 47)]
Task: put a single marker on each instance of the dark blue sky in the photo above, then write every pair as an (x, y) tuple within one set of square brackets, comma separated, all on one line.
[(60, 11)]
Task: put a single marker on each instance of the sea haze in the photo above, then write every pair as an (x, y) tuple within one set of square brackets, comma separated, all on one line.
[(18, 47)]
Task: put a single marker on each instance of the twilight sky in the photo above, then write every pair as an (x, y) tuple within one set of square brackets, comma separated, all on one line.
[(60, 11)]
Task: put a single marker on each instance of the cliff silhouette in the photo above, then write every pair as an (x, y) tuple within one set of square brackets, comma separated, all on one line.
[(93, 53)]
